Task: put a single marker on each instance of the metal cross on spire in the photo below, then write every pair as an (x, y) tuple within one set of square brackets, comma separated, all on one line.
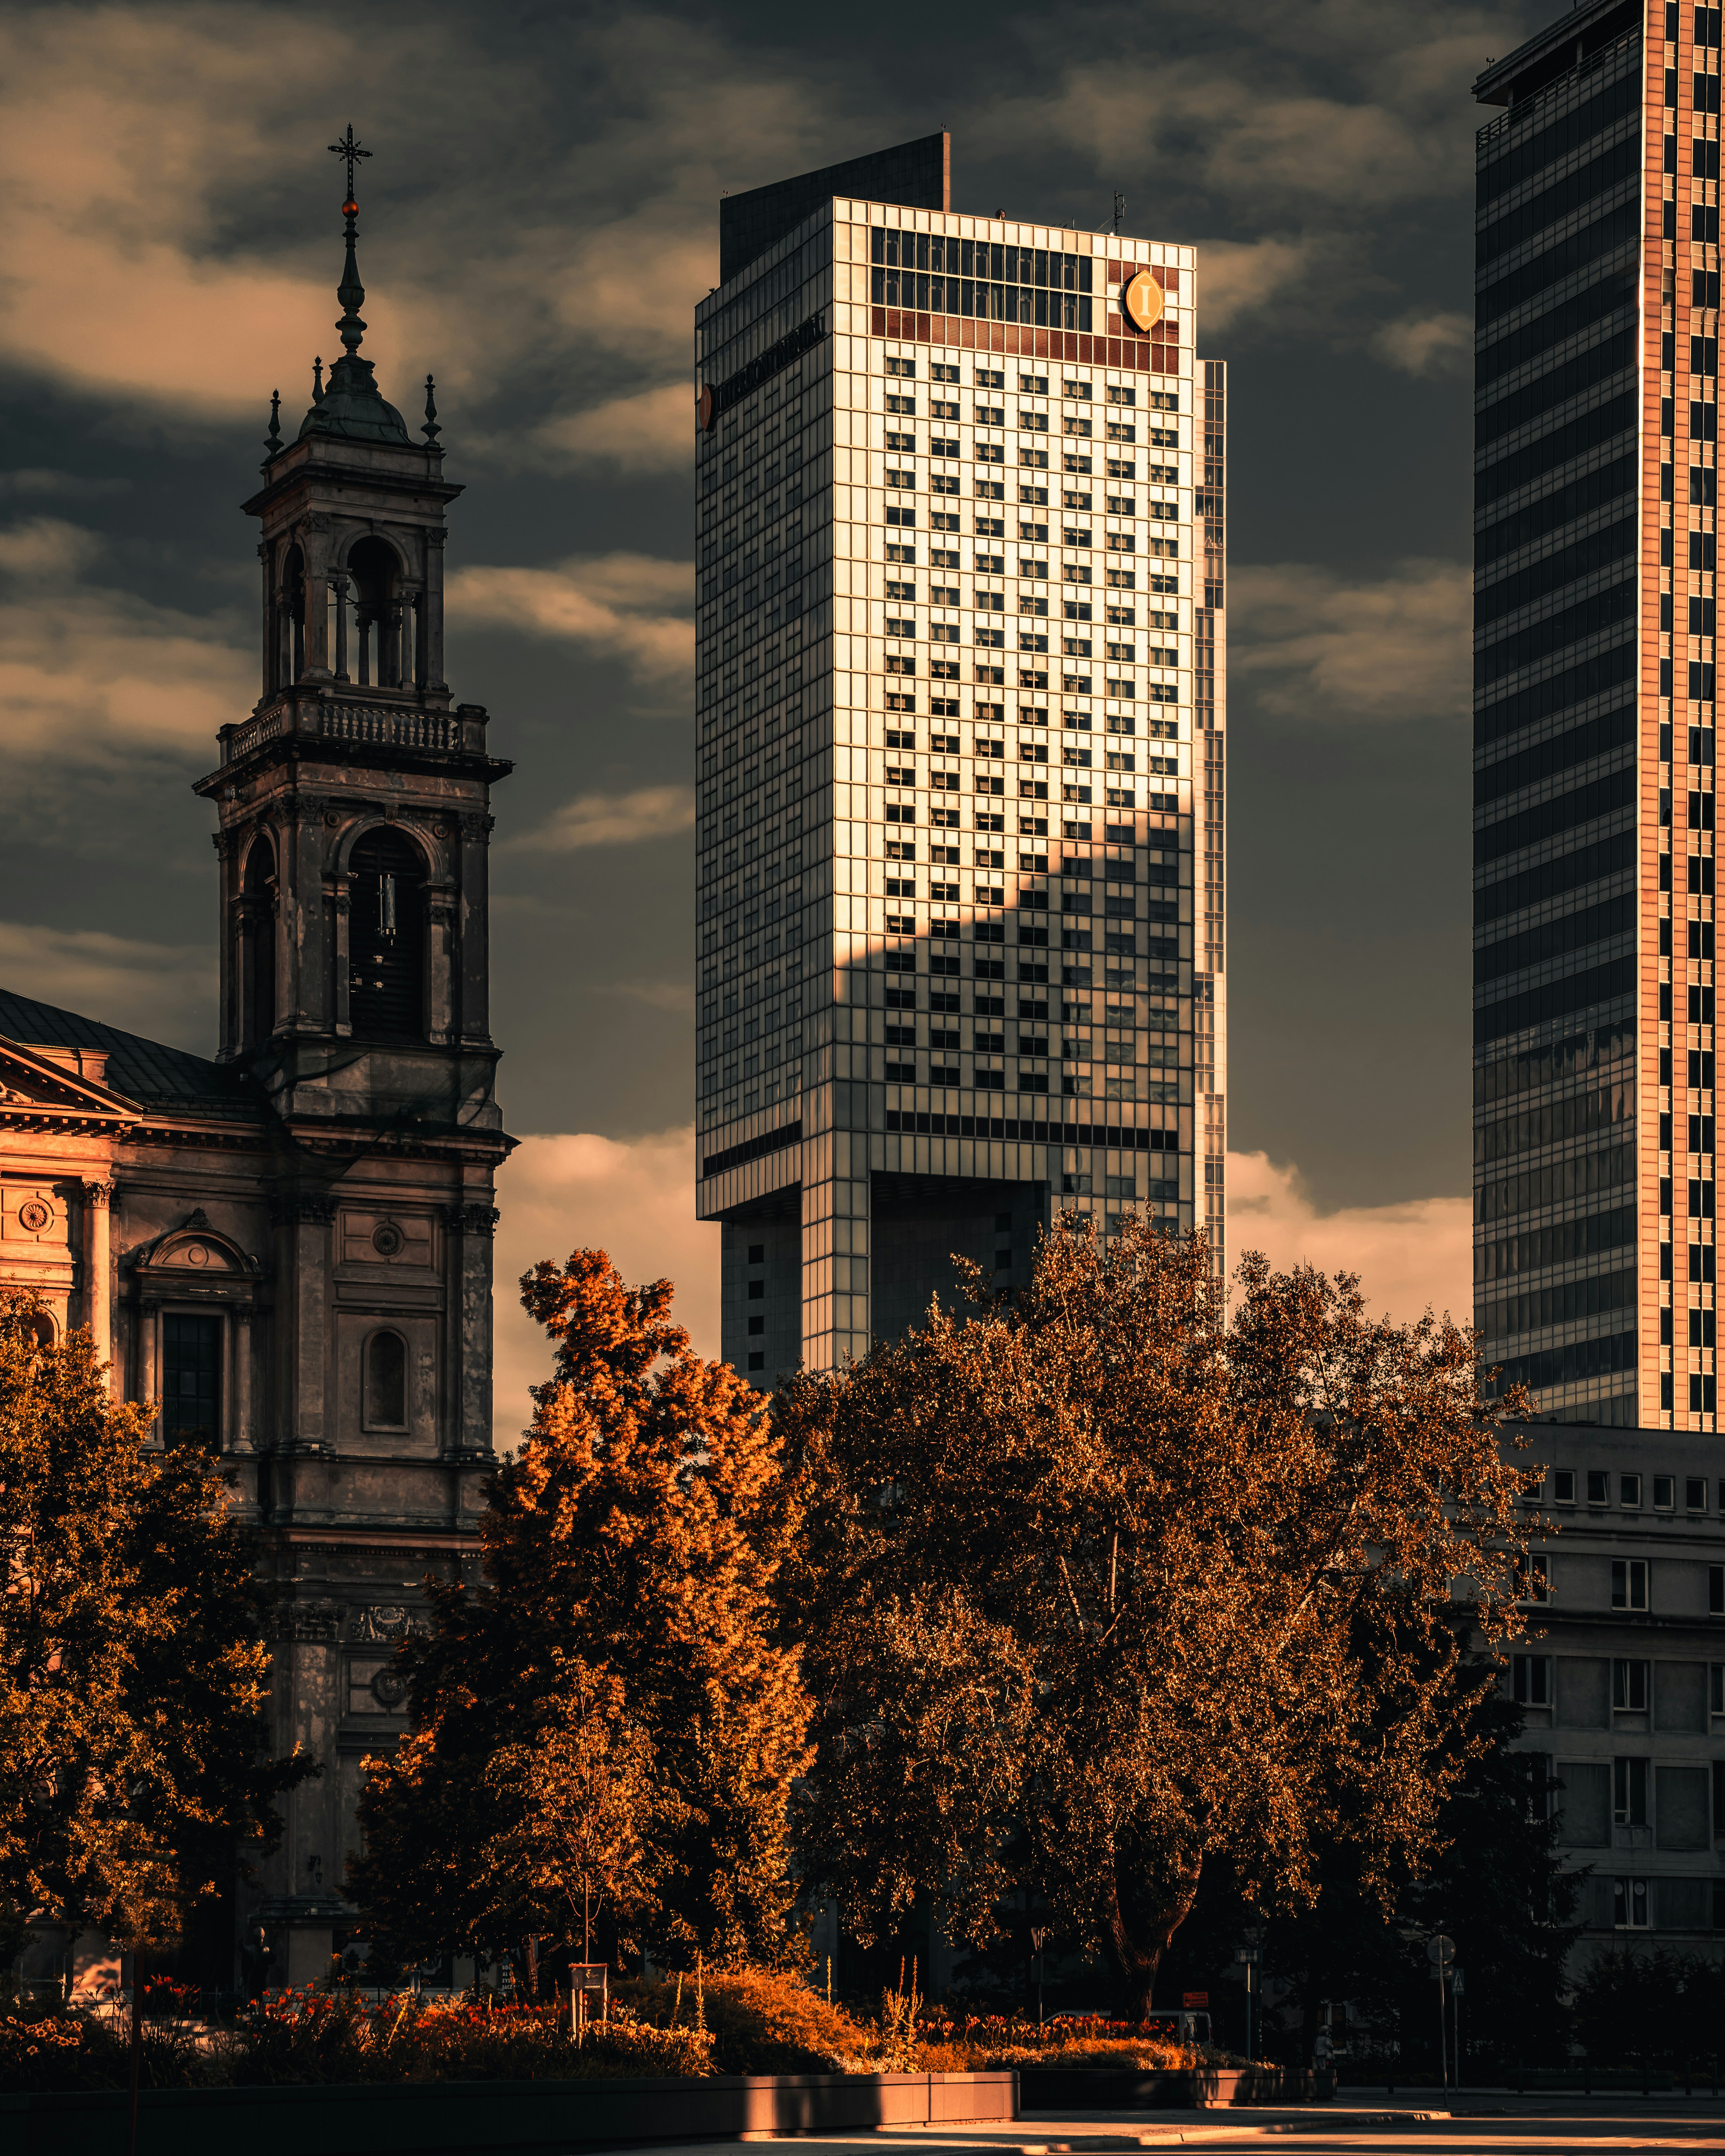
[(349, 149), (350, 291)]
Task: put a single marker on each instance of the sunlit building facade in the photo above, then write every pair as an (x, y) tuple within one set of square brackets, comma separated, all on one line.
[(961, 709), (1595, 482)]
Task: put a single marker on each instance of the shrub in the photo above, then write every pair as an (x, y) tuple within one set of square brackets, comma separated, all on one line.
[(339, 2036), (762, 2021), (42, 2046), (980, 2043)]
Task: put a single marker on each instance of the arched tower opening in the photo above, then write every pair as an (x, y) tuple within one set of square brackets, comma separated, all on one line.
[(378, 615), (257, 943), (387, 986), (290, 663)]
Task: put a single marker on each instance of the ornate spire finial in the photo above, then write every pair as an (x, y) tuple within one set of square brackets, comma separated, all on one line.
[(317, 381), (347, 148), (272, 445), (431, 429), (350, 291)]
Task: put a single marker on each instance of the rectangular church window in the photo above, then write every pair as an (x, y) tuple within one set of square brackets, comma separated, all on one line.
[(191, 1381)]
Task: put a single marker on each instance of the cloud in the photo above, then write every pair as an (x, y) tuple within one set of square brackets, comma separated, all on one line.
[(629, 607), (1407, 1255), (147, 154), (1243, 131), (650, 431), (1427, 344), (614, 819), (113, 123), (1318, 645), (1236, 278), (677, 996), (47, 551), (35, 480), (635, 1200), (167, 992), (85, 669)]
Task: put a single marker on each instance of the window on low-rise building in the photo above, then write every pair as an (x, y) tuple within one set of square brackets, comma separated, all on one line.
[(1629, 1792), (1629, 1582)]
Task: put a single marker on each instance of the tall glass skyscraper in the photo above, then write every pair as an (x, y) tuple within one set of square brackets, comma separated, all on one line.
[(1595, 490), (961, 717)]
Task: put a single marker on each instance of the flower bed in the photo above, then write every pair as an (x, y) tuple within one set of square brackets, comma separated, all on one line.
[(308, 2036), (744, 2022)]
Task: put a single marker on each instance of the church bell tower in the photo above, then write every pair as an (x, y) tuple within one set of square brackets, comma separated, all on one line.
[(355, 800), (358, 1167)]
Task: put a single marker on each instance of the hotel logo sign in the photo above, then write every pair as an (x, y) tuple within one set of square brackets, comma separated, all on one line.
[(1141, 300)]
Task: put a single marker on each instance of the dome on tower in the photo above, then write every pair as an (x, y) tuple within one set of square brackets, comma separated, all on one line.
[(352, 408)]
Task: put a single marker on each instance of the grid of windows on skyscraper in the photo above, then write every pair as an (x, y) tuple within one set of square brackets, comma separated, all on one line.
[(986, 280), (947, 863), (1555, 668)]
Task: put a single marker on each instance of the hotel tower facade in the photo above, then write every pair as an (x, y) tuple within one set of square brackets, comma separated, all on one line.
[(960, 720), (1594, 491)]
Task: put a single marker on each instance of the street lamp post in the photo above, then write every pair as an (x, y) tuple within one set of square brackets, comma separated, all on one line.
[(1441, 1953), (1248, 1956)]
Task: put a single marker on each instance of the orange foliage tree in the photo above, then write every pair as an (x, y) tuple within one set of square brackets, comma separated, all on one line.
[(1095, 1584), (629, 1552), (134, 1675)]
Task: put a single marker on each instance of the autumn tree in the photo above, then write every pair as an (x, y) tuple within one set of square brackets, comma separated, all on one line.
[(1494, 1882), (577, 1813), (134, 1677), (629, 1555), (1096, 1585)]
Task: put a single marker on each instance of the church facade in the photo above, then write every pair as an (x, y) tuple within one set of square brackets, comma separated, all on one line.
[(288, 1246)]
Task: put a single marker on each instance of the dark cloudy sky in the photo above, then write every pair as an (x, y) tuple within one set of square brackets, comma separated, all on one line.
[(539, 219)]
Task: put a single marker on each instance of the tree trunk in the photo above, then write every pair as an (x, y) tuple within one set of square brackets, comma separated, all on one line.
[(1132, 1962)]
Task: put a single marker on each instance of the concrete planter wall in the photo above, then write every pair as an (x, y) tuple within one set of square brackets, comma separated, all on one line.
[(448, 2118), (1068, 2089)]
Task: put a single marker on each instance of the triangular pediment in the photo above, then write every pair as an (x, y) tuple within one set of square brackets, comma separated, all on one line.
[(42, 1082)]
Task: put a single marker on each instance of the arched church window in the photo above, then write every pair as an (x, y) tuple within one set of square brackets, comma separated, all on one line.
[(380, 615), (386, 1382), (258, 956), (387, 986)]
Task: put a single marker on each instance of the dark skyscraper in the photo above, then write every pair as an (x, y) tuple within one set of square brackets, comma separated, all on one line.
[(1596, 294)]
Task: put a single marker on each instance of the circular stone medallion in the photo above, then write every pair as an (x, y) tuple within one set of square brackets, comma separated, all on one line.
[(389, 1688)]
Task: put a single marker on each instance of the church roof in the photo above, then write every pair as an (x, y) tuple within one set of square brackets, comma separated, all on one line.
[(146, 1071)]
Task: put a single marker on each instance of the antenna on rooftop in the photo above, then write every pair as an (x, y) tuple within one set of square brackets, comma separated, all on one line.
[(1119, 210)]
